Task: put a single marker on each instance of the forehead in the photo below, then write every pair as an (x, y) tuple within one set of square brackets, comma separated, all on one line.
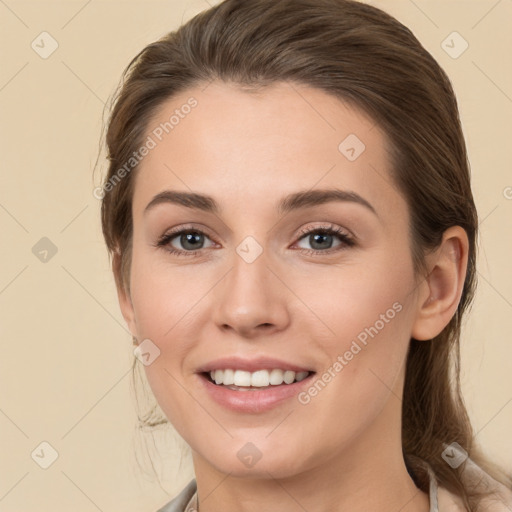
[(242, 147)]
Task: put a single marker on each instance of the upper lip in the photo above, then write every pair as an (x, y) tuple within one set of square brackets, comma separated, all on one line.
[(250, 365)]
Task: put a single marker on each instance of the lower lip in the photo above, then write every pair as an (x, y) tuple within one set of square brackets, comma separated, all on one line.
[(253, 401)]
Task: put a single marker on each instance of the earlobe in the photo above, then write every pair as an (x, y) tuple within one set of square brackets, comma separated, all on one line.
[(443, 286), (123, 295)]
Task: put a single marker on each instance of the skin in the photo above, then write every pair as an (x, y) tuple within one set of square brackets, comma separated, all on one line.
[(342, 450)]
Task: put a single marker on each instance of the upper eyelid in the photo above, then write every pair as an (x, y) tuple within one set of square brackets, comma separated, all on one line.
[(330, 227), (184, 228), (326, 227)]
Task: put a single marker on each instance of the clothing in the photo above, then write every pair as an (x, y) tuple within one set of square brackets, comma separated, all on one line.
[(441, 500)]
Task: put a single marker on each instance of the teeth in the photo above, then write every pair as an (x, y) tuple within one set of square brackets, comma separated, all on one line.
[(276, 377), (240, 378), (258, 379), (229, 377)]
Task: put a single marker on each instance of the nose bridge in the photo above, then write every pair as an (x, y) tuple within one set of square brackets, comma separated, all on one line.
[(251, 297)]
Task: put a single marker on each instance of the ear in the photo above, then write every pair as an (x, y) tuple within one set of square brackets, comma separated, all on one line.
[(123, 295), (440, 293)]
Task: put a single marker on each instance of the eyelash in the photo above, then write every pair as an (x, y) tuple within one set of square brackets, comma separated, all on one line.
[(346, 240)]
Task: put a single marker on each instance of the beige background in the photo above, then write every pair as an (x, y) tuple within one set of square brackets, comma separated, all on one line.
[(66, 355)]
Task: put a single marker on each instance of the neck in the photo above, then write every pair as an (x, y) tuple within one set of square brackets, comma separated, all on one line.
[(369, 475)]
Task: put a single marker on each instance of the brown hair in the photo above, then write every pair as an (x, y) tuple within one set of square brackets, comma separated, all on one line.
[(366, 58)]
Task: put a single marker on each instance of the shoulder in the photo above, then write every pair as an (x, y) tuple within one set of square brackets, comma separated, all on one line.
[(179, 503), (498, 498), (499, 502)]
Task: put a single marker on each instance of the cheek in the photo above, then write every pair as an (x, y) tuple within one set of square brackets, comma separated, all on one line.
[(362, 378), (165, 297), (163, 300), (349, 299), (366, 314)]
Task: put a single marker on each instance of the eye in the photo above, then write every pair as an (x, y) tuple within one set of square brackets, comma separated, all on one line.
[(322, 239), (184, 242), (189, 241)]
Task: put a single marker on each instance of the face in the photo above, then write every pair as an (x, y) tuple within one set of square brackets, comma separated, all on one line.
[(297, 265)]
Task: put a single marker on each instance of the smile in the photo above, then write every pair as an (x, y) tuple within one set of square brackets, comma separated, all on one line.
[(257, 392)]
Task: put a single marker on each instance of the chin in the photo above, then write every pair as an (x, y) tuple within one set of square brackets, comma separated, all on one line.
[(245, 459)]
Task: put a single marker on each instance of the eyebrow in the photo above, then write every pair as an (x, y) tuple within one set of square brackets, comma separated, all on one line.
[(295, 201)]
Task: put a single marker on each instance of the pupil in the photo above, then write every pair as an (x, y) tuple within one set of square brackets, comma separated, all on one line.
[(189, 238), (322, 236)]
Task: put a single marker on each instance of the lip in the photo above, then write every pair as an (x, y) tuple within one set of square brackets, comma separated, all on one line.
[(251, 365), (251, 402)]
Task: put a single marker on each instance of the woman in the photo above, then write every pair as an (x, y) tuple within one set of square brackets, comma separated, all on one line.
[(293, 232)]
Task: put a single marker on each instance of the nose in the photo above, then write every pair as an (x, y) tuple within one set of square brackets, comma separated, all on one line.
[(252, 300)]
